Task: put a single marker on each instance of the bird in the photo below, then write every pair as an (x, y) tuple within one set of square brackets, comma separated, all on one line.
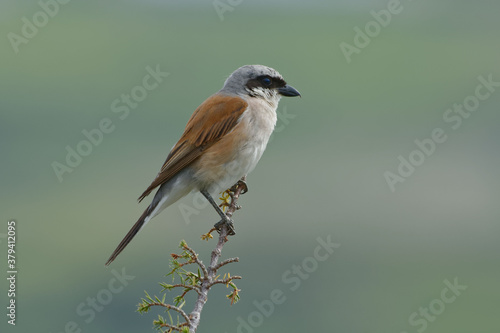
[(222, 142)]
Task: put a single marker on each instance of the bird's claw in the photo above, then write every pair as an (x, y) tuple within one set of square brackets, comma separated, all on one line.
[(230, 226), (241, 183)]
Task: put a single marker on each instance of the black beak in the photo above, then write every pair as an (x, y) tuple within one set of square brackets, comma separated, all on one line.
[(288, 91)]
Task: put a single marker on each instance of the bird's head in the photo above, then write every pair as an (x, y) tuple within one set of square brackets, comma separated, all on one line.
[(257, 81)]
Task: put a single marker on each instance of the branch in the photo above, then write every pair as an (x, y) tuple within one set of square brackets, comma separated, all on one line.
[(180, 285), (227, 281), (197, 260), (171, 307), (171, 327), (227, 261), (210, 280), (199, 282)]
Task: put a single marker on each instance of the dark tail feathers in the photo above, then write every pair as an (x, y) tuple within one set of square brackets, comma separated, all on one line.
[(135, 229)]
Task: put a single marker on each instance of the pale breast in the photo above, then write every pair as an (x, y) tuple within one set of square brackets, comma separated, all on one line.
[(238, 152), (259, 119)]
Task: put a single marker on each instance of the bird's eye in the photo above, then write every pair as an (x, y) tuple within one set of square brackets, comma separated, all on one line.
[(266, 81)]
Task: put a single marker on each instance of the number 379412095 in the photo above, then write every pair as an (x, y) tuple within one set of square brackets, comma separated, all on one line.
[(11, 240)]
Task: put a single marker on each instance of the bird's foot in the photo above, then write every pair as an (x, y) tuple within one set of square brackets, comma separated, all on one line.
[(240, 184), (229, 223)]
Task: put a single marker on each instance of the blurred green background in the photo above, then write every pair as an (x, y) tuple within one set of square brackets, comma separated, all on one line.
[(322, 174)]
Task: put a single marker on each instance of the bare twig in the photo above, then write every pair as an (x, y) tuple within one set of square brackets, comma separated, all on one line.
[(225, 262)]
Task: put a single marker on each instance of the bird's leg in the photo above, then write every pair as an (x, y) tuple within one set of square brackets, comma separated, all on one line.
[(224, 218), (212, 202)]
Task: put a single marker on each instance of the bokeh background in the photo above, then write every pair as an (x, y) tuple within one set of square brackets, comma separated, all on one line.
[(322, 174)]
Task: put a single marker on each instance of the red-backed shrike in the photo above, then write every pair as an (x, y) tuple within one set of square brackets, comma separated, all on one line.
[(222, 142)]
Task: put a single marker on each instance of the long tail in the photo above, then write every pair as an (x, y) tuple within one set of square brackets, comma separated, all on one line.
[(145, 217), (168, 193)]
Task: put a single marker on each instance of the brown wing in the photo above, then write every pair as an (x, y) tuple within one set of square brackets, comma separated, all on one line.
[(213, 119)]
